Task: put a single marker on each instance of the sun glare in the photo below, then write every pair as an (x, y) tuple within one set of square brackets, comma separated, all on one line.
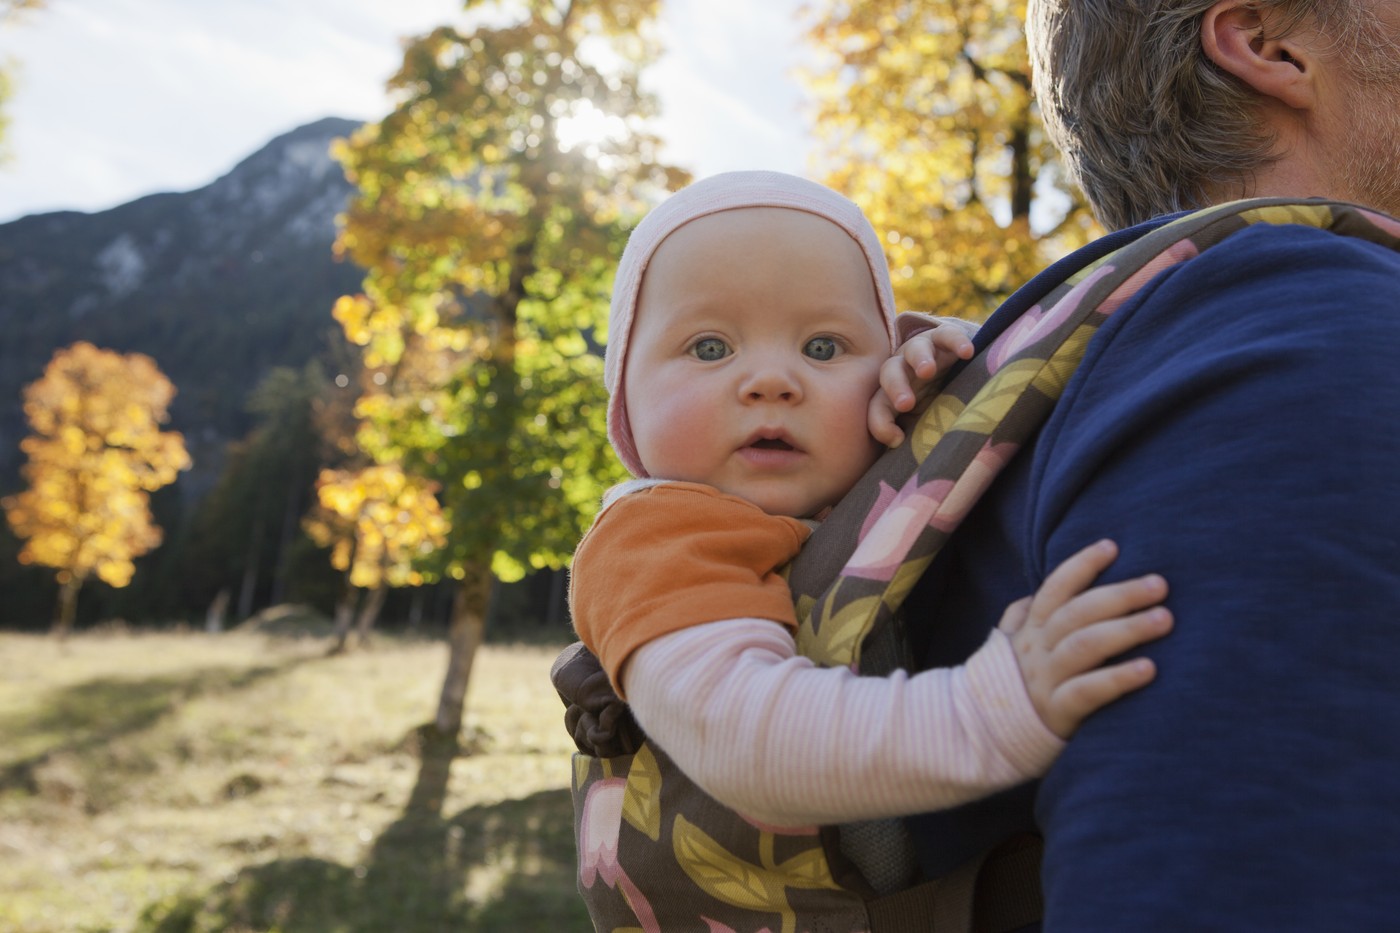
[(585, 125)]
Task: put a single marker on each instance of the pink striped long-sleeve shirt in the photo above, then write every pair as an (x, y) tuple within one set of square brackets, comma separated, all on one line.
[(769, 734)]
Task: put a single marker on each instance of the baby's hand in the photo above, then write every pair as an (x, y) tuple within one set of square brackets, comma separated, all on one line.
[(1065, 632), (907, 379)]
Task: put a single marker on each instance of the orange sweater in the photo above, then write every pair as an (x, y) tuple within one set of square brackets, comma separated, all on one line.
[(675, 555)]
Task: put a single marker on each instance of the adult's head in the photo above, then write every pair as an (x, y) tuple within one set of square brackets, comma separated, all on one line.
[(1166, 105)]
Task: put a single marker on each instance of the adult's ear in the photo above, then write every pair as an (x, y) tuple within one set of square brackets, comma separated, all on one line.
[(1246, 43)]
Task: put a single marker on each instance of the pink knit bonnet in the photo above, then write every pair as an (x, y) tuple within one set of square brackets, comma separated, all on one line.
[(725, 192)]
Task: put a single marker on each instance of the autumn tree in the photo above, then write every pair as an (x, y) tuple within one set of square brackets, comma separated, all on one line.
[(927, 121), (493, 203), (379, 522), (96, 454), (10, 11)]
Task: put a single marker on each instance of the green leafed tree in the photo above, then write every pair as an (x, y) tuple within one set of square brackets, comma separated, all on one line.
[(926, 118), (493, 204)]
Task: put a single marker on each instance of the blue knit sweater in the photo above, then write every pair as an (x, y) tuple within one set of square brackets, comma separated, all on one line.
[(1235, 428)]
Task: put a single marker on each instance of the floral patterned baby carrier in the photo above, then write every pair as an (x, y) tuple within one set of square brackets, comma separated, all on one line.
[(656, 853)]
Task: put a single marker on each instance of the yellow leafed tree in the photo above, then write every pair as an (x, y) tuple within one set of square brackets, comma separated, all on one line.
[(926, 119), (10, 10), (96, 454), (377, 522)]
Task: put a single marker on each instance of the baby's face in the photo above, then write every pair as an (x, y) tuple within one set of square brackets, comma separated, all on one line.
[(755, 352)]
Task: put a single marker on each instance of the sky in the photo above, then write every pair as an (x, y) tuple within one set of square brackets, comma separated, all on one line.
[(115, 99)]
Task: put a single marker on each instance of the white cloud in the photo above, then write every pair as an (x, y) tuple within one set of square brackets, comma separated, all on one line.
[(731, 100)]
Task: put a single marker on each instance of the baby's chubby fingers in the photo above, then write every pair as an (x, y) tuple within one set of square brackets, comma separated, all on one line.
[(920, 353), (1068, 681), (1109, 602), (909, 375), (953, 340), (880, 418), (929, 352), (1095, 642), (895, 383), (1080, 696), (1073, 576)]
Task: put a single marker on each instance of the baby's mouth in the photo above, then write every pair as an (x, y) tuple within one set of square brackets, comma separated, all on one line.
[(772, 443)]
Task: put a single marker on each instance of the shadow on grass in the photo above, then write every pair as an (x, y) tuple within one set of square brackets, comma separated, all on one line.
[(96, 713), (500, 868)]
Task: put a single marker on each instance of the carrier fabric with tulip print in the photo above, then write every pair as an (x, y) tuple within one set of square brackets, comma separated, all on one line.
[(658, 854)]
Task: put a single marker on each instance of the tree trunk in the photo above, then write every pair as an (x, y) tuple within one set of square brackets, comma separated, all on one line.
[(248, 591), (344, 615), (67, 609), (291, 518), (1022, 179), (558, 615), (369, 613), (464, 636), (218, 609)]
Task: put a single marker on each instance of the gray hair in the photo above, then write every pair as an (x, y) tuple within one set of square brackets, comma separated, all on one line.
[(1146, 122)]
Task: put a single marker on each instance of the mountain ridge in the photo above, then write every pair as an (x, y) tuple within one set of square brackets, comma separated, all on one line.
[(219, 285)]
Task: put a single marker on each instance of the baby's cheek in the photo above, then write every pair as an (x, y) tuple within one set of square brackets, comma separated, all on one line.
[(671, 438)]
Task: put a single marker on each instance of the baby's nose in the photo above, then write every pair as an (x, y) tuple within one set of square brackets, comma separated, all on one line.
[(772, 381)]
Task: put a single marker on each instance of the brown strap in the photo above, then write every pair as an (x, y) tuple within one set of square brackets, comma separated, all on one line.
[(993, 893), (904, 911)]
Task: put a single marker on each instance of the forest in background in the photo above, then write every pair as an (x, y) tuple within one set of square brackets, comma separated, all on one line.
[(450, 325)]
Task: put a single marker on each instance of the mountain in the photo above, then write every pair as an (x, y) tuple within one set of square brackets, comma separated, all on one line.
[(218, 285)]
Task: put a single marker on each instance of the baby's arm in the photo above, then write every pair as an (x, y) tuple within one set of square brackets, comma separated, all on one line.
[(908, 379), (771, 735)]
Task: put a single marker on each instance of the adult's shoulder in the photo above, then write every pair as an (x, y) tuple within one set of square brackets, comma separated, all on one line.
[(1295, 265), (1268, 285), (1289, 267)]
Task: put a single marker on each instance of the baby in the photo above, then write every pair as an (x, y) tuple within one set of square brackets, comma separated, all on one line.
[(755, 367)]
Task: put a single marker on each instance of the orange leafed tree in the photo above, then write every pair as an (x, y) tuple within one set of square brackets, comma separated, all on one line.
[(377, 521), (96, 454), (926, 118)]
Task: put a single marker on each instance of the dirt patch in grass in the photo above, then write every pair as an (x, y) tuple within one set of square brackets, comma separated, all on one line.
[(240, 782)]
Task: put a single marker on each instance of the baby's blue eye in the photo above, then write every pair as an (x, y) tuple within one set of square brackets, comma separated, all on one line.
[(710, 349), (820, 348)]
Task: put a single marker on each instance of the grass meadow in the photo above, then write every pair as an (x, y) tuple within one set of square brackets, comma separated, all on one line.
[(191, 783)]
